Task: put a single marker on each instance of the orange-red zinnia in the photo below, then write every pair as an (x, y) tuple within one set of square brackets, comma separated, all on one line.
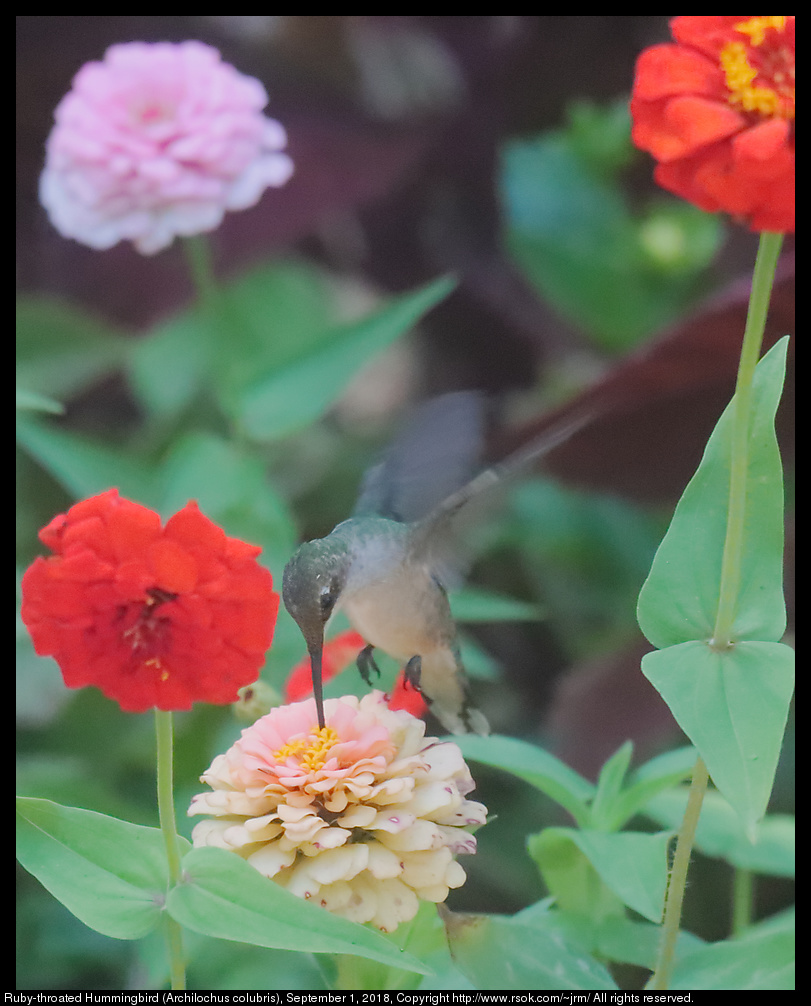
[(152, 615), (716, 110)]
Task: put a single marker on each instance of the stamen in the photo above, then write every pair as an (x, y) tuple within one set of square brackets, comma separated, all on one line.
[(758, 72), (311, 751)]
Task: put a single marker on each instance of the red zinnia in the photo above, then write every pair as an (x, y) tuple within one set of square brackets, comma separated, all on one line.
[(339, 654), (151, 615), (717, 111)]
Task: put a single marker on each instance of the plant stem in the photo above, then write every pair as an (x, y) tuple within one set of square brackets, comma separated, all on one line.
[(762, 280), (743, 891), (166, 813), (198, 256), (678, 878), (722, 638)]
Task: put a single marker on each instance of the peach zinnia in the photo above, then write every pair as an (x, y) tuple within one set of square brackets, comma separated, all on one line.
[(716, 110), (365, 816)]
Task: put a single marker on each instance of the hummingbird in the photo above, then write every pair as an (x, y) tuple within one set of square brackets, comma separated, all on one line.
[(386, 565)]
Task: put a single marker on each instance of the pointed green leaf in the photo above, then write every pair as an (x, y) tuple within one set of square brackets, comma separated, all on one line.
[(679, 600), (476, 605), (534, 765), (720, 833), (61, 348), (760, 960), (733, 706), (653, 777), (109, 873), (510, 954), (571, 878), (82, 466), (609, 787), (31, 401), (223, 896), (631, 864), (291, 396)]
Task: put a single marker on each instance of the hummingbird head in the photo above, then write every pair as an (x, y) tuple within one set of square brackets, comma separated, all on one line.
[(312, 583)]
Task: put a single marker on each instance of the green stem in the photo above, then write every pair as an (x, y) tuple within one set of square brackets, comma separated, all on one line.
[(198, 256), (743, 891), (722, 638), (762, 280), (678, 879), (166, 813)]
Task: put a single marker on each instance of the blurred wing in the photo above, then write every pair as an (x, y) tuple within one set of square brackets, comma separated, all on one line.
[(433, 457), (436, 526)]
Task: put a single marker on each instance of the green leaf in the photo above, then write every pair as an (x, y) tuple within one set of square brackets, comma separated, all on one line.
[(658, 774), (762, 959), (679, 600), (62, 349), (570, 230), (631, 864), (476, 605), (570, 877), (535, 766), (231, 485), (292, 395), (31, 401), (223, 896), (82, 466), (733, 706), (609, 786), (171, 365), (720, 834), (510, 954), (109, 873), (620, 939)]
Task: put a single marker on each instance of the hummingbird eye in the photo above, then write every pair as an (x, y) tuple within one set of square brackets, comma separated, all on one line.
[(327, 599)]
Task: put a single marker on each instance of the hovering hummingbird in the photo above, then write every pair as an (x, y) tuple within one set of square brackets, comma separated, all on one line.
[(384, 566)]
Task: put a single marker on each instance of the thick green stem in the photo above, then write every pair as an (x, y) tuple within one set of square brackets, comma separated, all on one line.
[(166, 813), (743, 898), (678, 879), (762, 280), (722, 639)]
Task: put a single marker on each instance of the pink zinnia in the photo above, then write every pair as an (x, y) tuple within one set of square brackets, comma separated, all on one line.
[(365, 816), (155, 141)]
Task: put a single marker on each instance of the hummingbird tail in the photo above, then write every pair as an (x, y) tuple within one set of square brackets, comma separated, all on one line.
[(444, 687)]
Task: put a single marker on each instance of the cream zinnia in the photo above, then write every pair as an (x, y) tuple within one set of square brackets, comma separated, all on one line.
[(366, 816)]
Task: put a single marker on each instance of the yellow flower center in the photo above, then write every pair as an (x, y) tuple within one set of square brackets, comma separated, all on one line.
[(311, 751), (760, 71)]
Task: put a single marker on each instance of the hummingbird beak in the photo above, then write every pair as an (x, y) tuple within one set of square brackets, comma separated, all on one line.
[(316, 652)]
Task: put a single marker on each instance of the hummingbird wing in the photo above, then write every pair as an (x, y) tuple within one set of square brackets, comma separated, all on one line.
[(435, 527), (436, 453)]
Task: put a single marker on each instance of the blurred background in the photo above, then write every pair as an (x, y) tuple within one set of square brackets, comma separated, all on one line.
[(491, 149)]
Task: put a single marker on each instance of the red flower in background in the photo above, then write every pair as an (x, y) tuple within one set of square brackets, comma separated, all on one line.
[(716, 110), (151, 615), (338, 654)]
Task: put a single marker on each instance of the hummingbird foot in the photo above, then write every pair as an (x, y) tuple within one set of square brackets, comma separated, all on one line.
[(367, 663), (413, 672)]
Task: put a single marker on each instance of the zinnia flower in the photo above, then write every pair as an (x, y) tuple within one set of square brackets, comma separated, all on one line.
[(151, 615), (155, 141), (364, 816), (338, 654), (716, 110)]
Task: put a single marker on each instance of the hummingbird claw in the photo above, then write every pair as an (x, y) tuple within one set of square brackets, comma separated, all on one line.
[(413, 671), (367, 663)]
